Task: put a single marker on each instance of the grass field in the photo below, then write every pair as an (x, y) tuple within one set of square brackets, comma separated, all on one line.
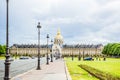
[(111, 66), (2, 58)]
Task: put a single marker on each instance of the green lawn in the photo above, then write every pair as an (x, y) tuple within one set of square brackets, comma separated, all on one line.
[(111, 66), (76, 72), (2, 58)]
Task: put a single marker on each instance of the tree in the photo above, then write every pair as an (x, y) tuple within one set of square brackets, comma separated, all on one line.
[(116, 50), (112, 49), (2, 49)]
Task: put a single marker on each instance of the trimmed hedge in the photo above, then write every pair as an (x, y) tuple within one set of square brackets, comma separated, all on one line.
[(99, 74)]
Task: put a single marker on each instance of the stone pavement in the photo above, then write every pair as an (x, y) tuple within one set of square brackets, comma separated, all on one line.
[(56, 70)]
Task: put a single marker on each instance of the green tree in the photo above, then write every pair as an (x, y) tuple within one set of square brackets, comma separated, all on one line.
[(112, 49), (116, 50), (2, 49), (104, 50)]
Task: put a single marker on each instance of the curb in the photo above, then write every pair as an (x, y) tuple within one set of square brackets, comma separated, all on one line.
[(67, 72)]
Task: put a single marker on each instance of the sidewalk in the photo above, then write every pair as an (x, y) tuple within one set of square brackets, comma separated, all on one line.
[(54, 71)]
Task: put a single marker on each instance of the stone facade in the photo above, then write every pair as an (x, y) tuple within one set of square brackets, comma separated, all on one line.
[(57, 48), (66, 50), (82, 49)]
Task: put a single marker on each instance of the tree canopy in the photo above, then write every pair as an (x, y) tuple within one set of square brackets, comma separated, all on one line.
[(2, 49), (112, 49)]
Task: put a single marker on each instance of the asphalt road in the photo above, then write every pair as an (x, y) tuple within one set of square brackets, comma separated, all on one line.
[(19, 66)]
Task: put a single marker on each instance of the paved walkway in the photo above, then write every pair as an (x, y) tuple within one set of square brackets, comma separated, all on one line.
[(54, 71)]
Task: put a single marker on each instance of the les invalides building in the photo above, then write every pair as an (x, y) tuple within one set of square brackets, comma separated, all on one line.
[(57, 48)]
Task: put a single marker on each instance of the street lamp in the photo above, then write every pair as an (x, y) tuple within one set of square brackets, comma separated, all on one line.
[(47, 58), (72, 52), (83, 52), (17, 52), (79, 58), (51, 51), (38, 66), (16, 55), (7, 62)]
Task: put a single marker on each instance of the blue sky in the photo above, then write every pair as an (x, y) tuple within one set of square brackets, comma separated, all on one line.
[(80, 21)]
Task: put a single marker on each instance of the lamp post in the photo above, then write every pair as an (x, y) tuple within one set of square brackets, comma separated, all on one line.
[(38, 65), (83, 52), (47, 58), (96, 53), (17, 52), (7, 62), (79, 58), (16, 55), (72, 52), (51, 51)]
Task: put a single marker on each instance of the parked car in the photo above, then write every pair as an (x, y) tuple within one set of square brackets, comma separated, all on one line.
[(24, 57), (88, 59), (11, 59), (33, 57)]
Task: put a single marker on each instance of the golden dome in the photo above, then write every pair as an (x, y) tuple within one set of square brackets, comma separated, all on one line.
[(58, 36)]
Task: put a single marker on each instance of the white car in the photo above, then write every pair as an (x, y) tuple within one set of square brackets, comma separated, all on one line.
[(11, 59)]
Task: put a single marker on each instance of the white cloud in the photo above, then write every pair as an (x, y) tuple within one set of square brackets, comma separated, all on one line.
[(92, 21)]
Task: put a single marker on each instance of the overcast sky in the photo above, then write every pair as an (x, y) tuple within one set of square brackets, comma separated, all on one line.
[(80, 21)]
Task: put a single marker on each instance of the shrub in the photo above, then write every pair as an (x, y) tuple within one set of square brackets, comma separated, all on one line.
[(99, 74)]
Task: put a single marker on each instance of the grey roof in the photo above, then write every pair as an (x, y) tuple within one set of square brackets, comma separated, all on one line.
[(29, 46), (82, 46), (64, 46)]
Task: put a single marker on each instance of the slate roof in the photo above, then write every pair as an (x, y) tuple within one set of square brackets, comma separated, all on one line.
[(82, 46), (64, 46)]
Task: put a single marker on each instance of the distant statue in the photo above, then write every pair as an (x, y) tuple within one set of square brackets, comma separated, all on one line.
[(96, 58), (104, 59), (99, 59)]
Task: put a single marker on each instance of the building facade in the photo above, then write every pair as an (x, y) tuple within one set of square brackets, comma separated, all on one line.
[(57, 48)]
